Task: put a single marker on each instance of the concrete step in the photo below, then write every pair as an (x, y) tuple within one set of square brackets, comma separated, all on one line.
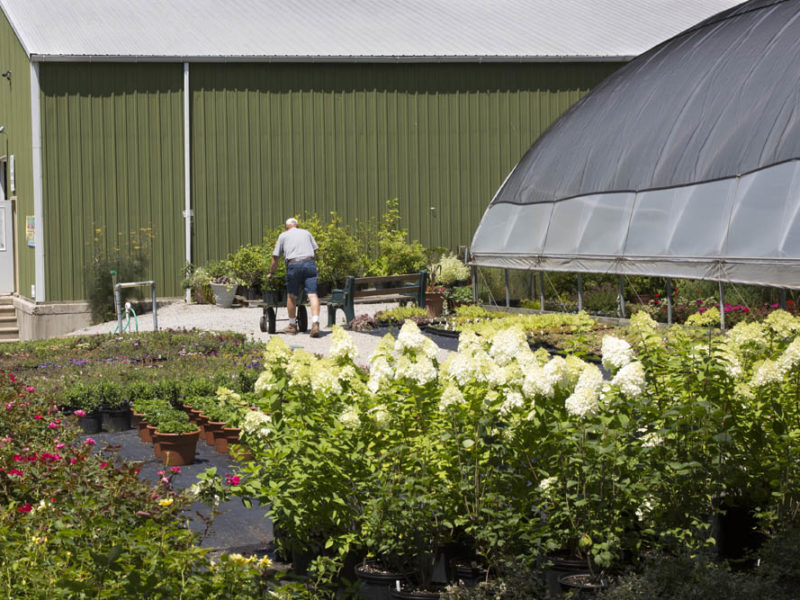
[(7, 301), (9, 334)]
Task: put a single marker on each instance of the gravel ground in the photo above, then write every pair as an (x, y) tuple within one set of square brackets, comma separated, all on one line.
[(179, 315)]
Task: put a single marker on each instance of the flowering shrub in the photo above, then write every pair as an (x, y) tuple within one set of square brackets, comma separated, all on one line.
[(77, 522)]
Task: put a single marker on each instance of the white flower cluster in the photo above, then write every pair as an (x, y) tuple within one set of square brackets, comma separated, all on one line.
[(782, 323), (421, 371), (349, 417), (276, 351), (748, 335), (465, 367), (513, 400), (643, 323), (264, 383), (538, 384), (585, 400), (790, 357), (325, 379), (631, 380), (507, 344), (380, 414), (299, 368), (650, 439), (645, 509), (731, 363), (257, 424), (380, 372), (616, 352), (224, 394), (451, 396), (545, 485), (343, 348), (411, 341), (768, 372)]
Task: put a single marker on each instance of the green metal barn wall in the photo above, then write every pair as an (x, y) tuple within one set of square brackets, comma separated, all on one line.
[(272, 140), (113, 161), (15, 115)]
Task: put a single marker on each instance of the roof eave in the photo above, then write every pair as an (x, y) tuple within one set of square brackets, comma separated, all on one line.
[(44, 58)]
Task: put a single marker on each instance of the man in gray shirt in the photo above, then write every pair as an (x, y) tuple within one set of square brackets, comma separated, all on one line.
[(299, 249)]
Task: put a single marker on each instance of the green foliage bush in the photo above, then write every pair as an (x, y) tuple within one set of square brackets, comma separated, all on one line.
[(250, 264)]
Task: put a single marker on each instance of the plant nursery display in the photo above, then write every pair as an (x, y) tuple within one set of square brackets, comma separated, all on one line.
[(502, 455)]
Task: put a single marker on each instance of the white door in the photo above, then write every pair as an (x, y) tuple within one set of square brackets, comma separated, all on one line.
[(6, 236)]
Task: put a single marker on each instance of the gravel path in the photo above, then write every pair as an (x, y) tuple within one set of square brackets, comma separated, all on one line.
[(179, 315)]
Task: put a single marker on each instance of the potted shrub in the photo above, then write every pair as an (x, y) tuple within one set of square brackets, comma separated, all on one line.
[(224, 283), (177, 438), (114, 410), (249, 264), (83, 401), (198, 280)]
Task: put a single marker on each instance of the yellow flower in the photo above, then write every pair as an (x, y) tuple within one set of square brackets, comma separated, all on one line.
[(166, 502), (242, 560), (264, 563), (98, 230)]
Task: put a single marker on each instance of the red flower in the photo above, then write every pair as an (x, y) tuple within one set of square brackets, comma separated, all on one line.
[(16, 472), (25, 508), (38, 417), (790, 302), (103, 465), (232, 479), (12, 378), (30, 389), (175, 469)]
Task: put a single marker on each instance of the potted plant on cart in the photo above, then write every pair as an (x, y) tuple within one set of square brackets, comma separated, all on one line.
[(249, 265)]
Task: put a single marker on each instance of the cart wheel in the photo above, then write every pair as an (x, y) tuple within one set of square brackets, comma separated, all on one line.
[(302, 319), (271, 319), (262, 323)]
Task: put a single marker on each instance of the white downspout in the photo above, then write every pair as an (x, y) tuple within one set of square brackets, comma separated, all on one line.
[(38, 183), (187, 172)]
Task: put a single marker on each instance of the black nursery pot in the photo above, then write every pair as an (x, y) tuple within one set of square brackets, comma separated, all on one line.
[(116, 420), (90, 423)]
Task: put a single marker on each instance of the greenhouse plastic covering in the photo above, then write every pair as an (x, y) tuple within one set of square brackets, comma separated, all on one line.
[(684, 163)]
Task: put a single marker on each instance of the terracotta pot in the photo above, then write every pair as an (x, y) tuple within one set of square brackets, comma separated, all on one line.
[(211, 430), (178, 449), (194, 415), (140, 422), (149, 435), (201, 423), (224, 439), (434, 302)]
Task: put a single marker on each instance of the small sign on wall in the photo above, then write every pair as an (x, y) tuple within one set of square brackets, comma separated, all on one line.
[(30, 230)]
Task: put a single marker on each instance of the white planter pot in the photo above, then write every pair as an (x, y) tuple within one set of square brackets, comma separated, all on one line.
[(223, 294)]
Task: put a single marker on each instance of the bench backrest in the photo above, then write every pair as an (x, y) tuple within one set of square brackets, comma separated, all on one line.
[(411, 284)]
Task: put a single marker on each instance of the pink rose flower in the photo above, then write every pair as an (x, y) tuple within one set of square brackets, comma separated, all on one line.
[(89, 441), (80, 413)]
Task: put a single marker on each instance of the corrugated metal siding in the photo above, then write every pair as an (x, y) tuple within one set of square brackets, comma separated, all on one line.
[(15, 114), (270, 141), (113, 160)]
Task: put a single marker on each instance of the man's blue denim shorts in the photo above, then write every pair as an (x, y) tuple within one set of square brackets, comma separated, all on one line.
[(304, 273)]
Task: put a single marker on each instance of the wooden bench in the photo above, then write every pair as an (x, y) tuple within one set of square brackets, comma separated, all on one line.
[(402, 288)]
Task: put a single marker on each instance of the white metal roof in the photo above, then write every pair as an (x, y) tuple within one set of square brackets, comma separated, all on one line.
[(349, 29)]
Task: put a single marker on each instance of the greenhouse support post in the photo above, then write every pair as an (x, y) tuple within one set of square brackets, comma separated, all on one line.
[(622, 296), (541, 291), (669, 301), (508, 291), (783, 298), (721, 305), (580, 292), (474, 284)]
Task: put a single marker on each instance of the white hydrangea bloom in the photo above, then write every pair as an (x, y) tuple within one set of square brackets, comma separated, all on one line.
[(545, 485), (631, 380), (537, 384), (782, 323), (224, 394), (641, 322), (348, 373), (380, 372), (276, 350), (264, 383), (507, 344), (583, 402), (557, 372), (650, 439), (616, 352), (299, 368), (421, 371), (769, 372), (743, 391), (731, 363), (465, 368), (575, 368), (451, 396), (325, 380), (257, 424), (469, 342), (748, 334), (645, 509), (790, 357), (512, 401), (380, 414), (342, 345), (349, 417), (541, 356), (411, 341)]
